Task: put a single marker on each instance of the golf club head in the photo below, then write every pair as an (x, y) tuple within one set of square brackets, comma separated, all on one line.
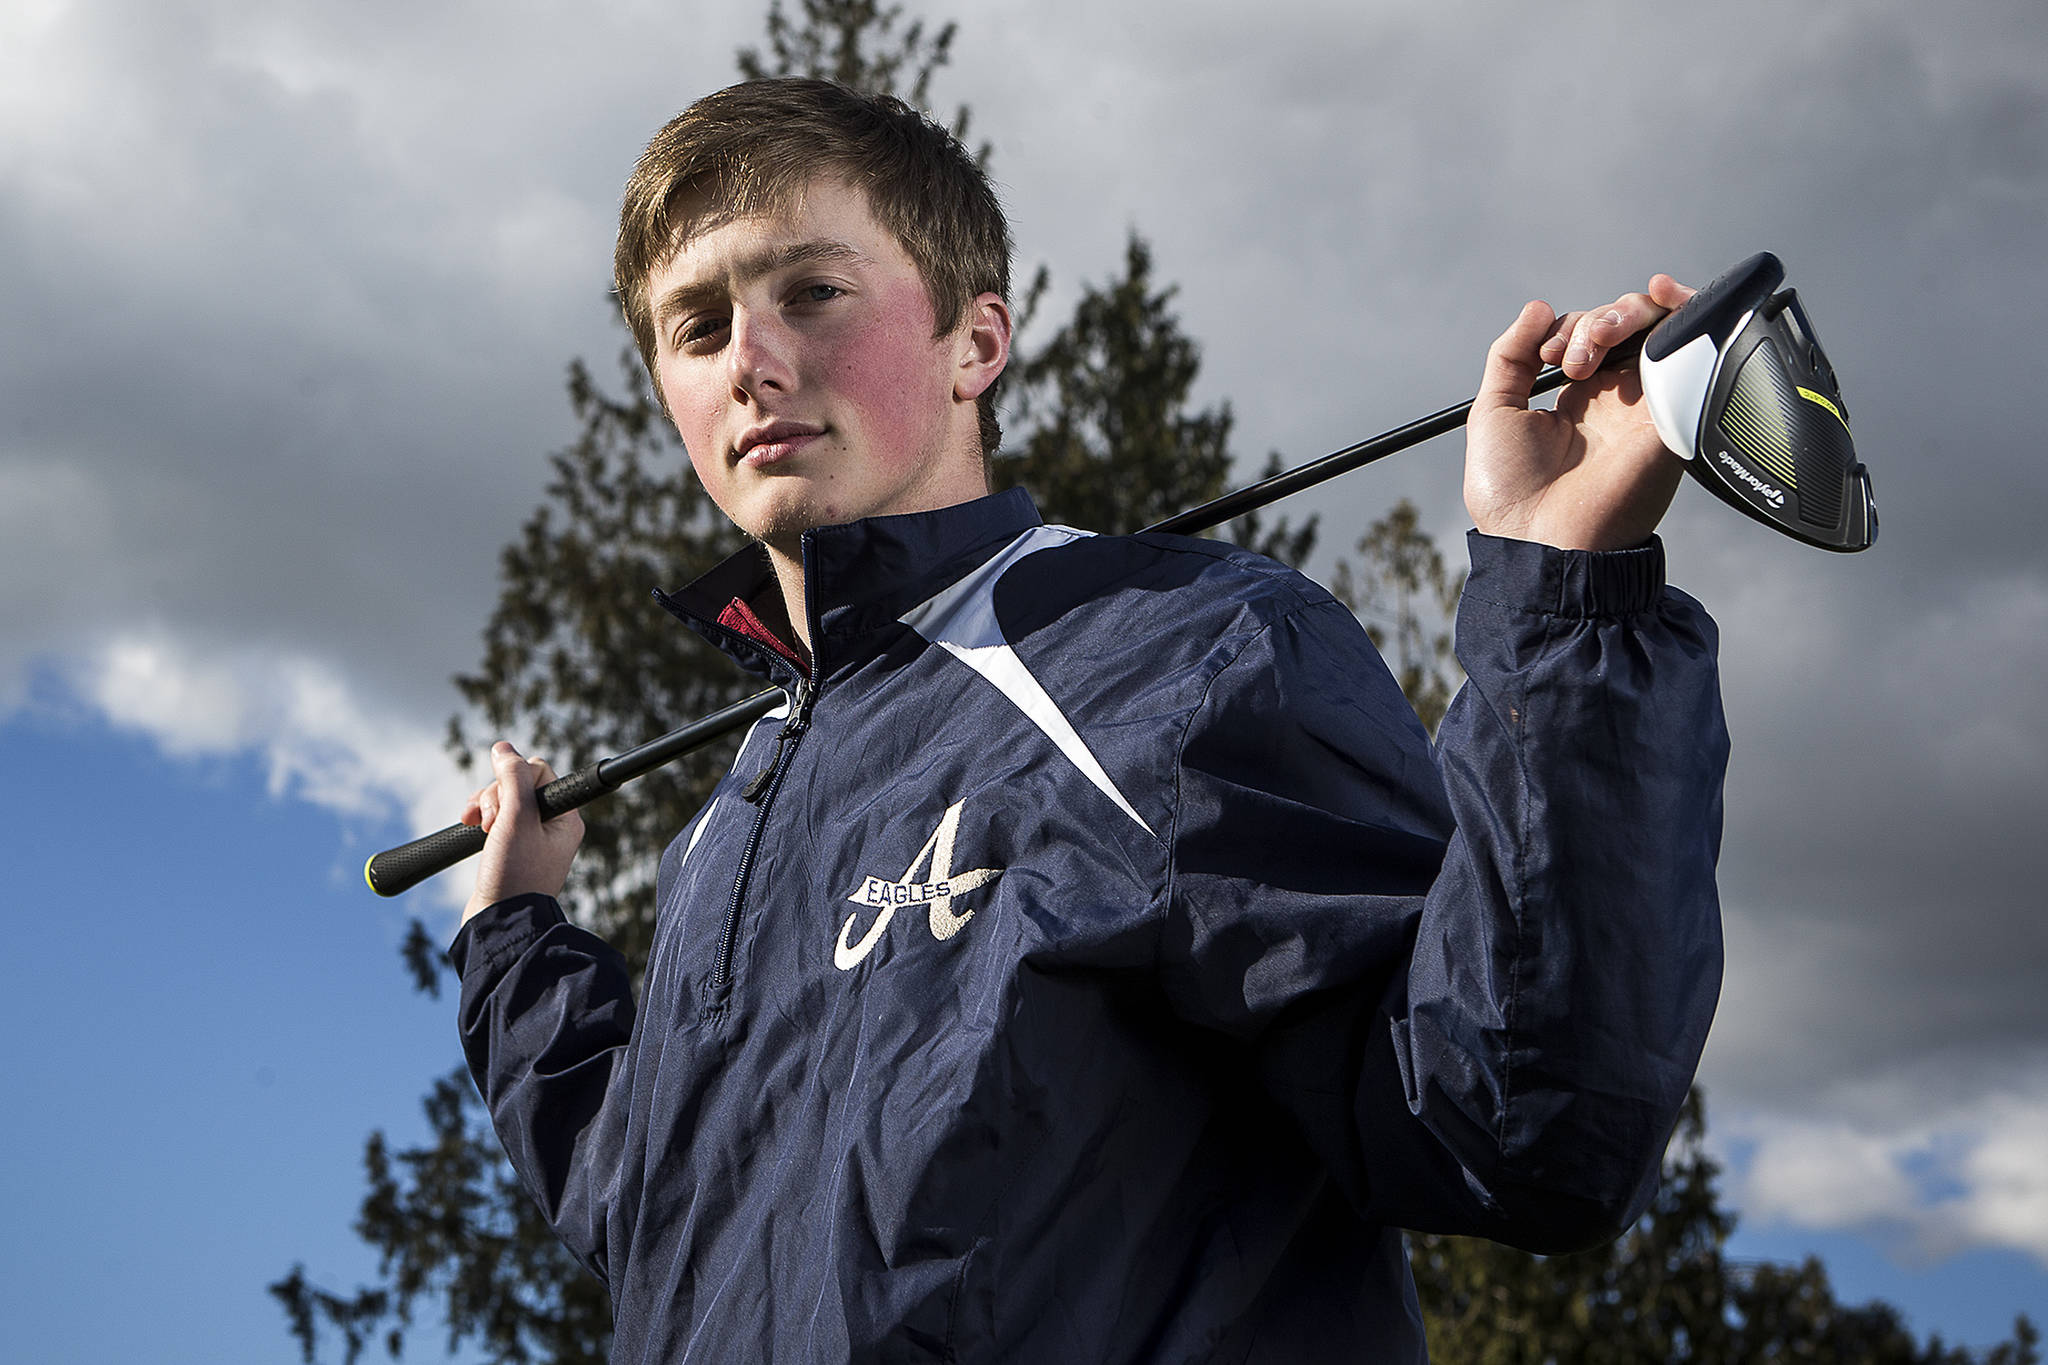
[(1739, 386)]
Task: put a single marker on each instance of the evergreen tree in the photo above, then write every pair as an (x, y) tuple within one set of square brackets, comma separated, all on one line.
[(1110, 441), (855, 43), (1115, 448)]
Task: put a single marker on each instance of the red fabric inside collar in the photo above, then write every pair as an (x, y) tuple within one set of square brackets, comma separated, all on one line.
[(739, 618)]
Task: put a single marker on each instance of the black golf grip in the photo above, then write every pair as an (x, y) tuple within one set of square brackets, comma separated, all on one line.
[(1715, 305), (403, 868)]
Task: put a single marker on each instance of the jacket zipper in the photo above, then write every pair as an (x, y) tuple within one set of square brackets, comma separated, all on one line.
[(762, 788)]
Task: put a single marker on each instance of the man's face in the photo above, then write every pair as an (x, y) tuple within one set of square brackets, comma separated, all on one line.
[(795, 353)]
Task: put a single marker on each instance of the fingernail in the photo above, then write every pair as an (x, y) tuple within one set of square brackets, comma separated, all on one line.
[(1612, 315), (1577, 355)]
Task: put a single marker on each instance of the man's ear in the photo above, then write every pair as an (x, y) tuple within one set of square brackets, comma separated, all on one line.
[(984, 347)]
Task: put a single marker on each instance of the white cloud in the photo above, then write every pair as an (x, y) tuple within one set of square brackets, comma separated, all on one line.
[(1927, 1181), (320, 742), (2007, 1175), (1826, 1175)]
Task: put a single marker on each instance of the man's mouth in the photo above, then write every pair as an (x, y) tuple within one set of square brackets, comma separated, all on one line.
[(775, 442)]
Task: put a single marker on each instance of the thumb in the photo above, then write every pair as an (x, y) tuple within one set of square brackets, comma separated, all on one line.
[(515, 779), (1513, 362)]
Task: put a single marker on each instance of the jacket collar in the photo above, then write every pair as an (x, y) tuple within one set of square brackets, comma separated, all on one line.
[(859, 579)]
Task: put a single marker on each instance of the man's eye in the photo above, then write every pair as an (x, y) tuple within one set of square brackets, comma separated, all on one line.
[(698, 330), (818, 293)]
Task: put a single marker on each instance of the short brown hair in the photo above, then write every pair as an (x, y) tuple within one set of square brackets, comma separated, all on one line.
[(751, 149)]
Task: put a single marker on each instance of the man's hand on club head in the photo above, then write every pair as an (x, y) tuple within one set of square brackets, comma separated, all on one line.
[(522, 852), (1592, 473)]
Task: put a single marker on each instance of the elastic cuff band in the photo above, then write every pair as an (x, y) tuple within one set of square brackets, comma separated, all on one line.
[(1523, 575)]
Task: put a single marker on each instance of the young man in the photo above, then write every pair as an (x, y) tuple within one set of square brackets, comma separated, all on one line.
[(1092, 963)]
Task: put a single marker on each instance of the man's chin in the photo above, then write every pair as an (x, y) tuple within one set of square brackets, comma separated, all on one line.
[(781, 525)]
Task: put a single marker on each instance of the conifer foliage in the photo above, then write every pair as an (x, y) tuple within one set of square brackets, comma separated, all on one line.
[(1110, 440), (855, 43)]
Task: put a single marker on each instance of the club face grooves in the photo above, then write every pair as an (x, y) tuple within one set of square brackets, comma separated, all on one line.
[(1776, 442)]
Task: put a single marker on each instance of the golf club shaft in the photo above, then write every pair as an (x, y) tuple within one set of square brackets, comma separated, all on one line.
[(402, 868)]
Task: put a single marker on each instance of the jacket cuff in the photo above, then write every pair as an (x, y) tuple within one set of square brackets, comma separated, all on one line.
[(502, 931), (1521, 575)]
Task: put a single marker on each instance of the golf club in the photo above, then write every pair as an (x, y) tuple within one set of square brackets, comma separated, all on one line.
[(1740, 388), (1734, 358)]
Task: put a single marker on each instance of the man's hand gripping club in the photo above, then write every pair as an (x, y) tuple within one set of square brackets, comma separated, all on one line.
[(523, 853), (1592, 473)]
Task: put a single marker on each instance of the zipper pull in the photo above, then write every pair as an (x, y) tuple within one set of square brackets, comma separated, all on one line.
[(757, 785), (796, 723)]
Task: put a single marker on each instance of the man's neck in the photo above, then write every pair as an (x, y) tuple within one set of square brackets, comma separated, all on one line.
[(789, 577)]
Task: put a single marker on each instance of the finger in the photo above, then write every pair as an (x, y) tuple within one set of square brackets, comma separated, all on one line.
[(1596, 332), (1669, 293), (487, 809), (1513, 360), (1552, 350), (512, 768), (513, 791), (1600, 330)]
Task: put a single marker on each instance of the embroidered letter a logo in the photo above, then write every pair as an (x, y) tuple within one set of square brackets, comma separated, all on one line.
[(935, 894)]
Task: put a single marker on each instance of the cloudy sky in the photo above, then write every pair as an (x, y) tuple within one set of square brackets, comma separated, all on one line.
[(286, 297)]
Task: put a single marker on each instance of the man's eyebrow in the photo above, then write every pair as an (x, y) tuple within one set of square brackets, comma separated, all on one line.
[(752, 266)]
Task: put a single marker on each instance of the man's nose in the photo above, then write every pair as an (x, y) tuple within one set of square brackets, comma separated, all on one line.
[(758, 355)]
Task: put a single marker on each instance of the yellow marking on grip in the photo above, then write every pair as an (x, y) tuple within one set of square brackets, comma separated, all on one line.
[(1810, 396), (368, 880)]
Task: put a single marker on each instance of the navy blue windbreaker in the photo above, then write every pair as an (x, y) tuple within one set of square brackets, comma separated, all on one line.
[(1095, 964)]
